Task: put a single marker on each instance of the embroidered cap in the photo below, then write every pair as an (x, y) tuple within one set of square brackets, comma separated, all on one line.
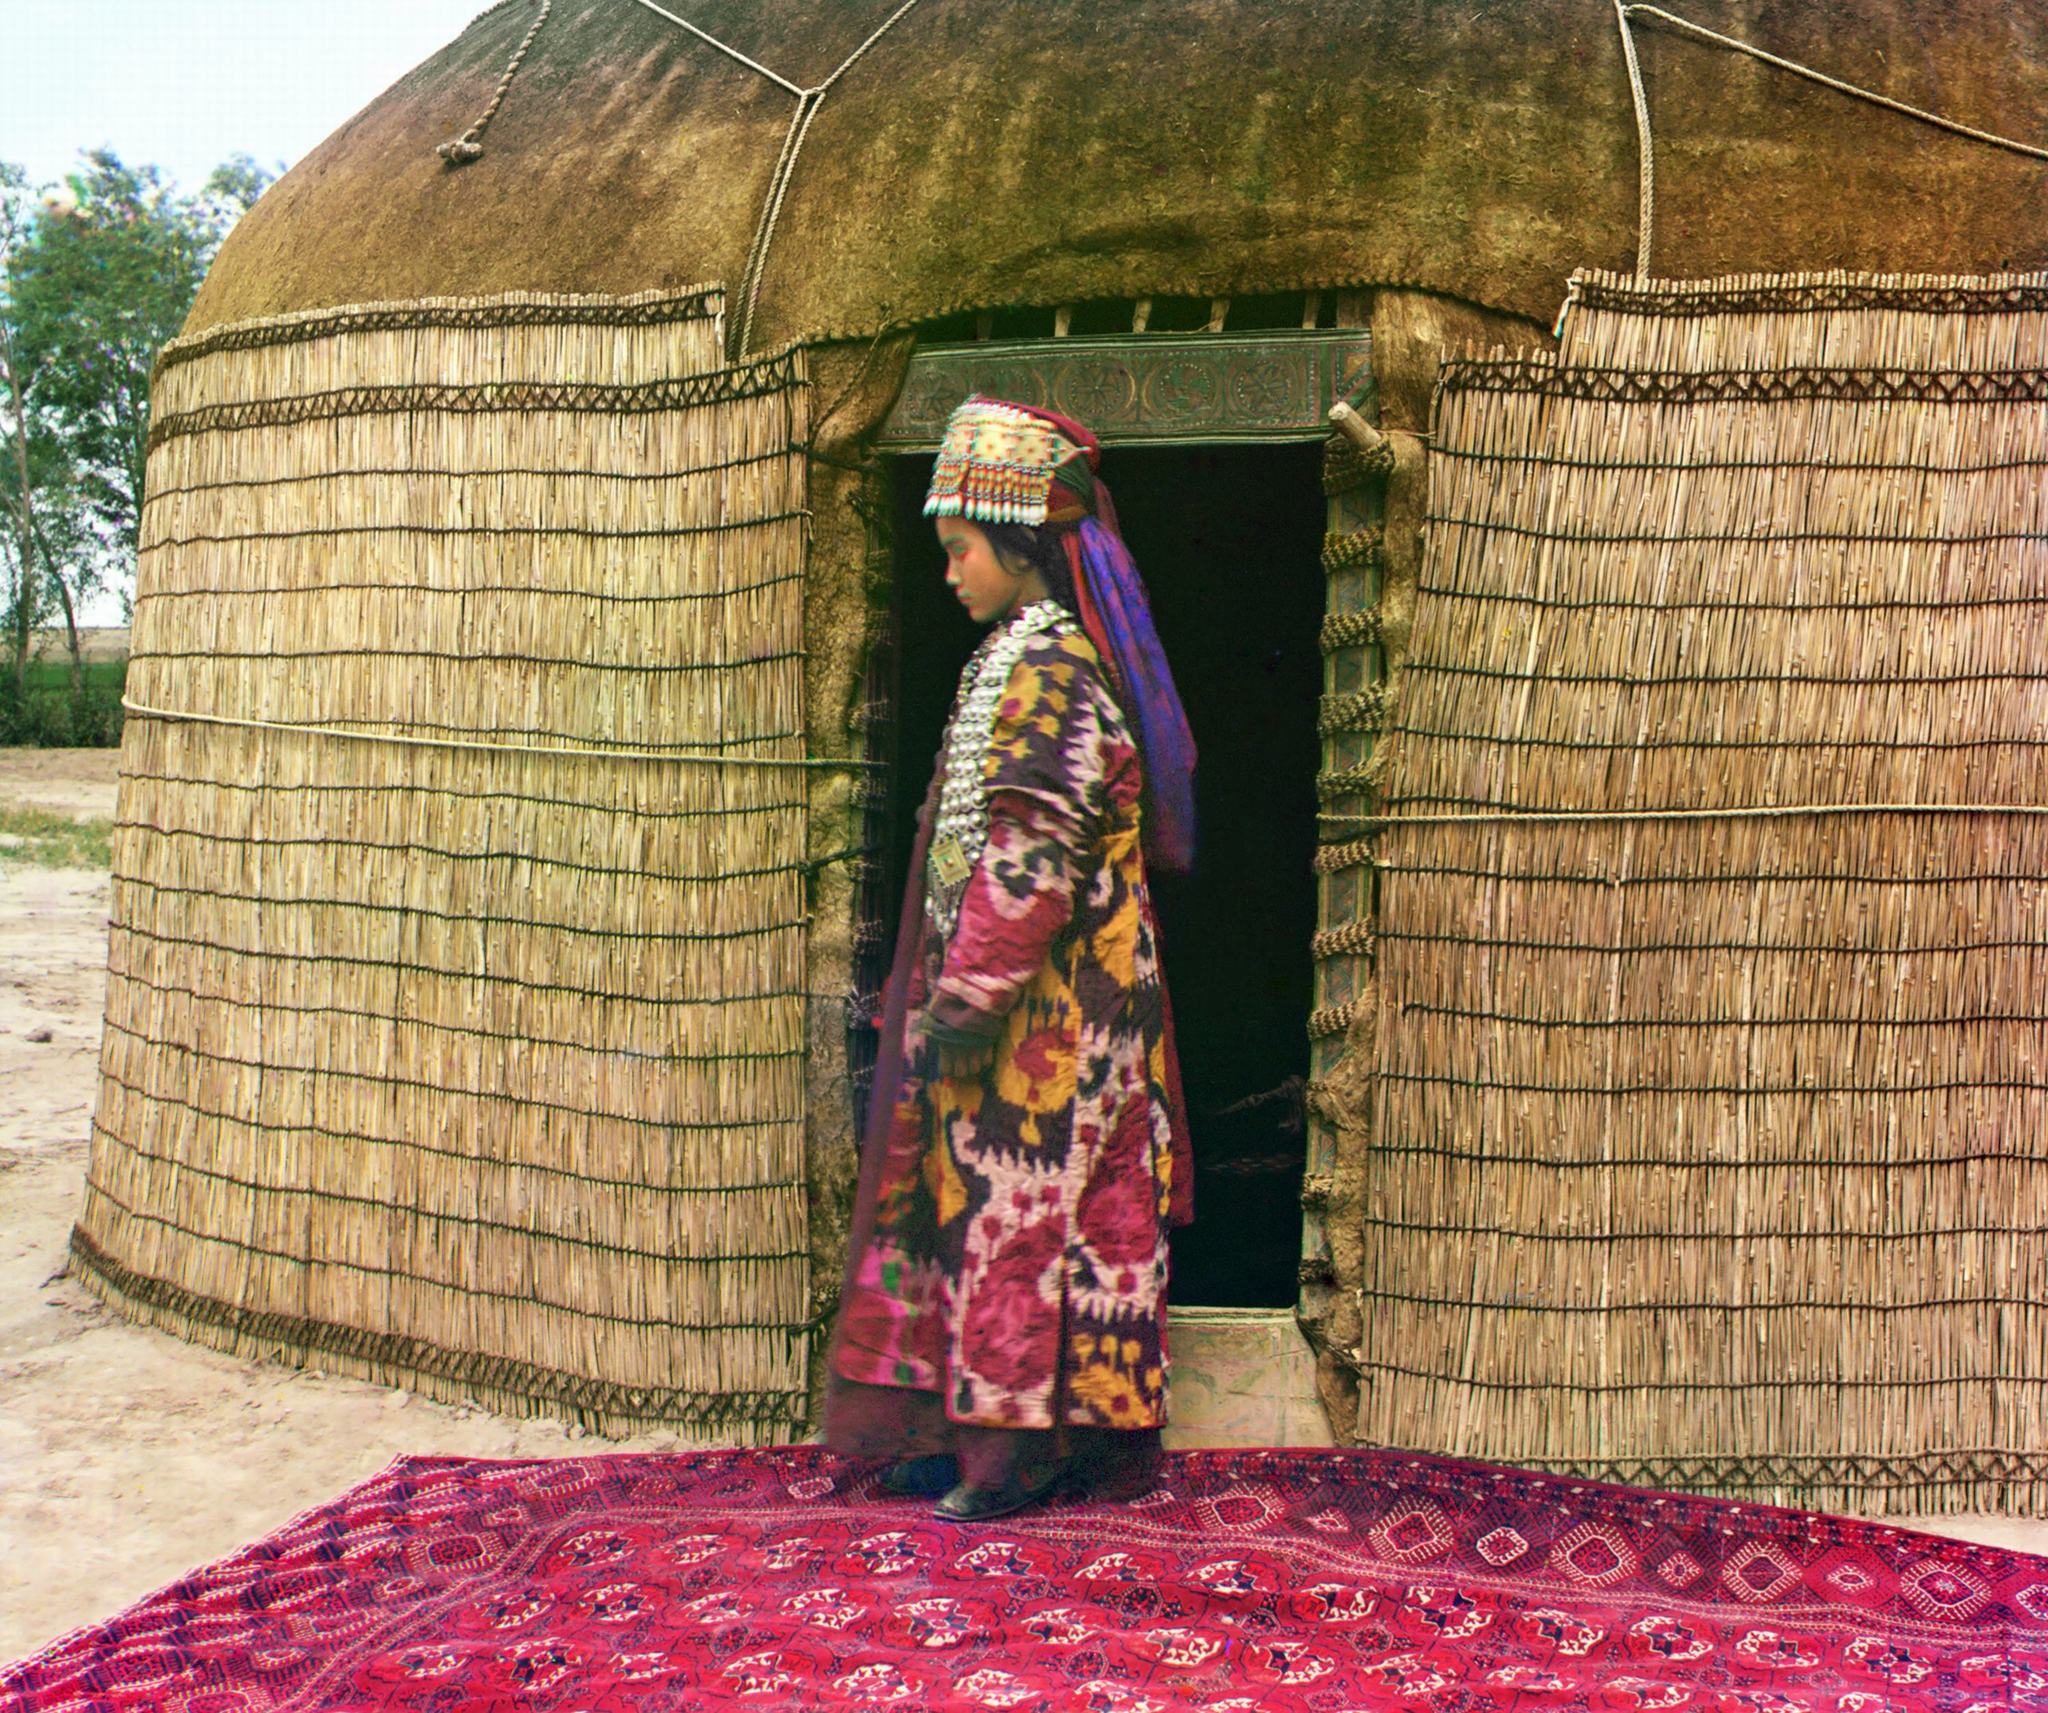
[(996, 464)]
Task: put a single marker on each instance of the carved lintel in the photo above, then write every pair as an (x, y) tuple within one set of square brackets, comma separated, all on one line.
[(1148, 388)]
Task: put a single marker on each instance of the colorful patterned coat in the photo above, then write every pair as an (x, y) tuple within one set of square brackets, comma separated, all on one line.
[(1018, 1260)]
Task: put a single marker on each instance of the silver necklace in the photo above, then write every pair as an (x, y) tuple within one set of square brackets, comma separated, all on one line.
[(960, 833)]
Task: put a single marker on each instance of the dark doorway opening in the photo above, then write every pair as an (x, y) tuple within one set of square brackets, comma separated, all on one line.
[(1229, 540)]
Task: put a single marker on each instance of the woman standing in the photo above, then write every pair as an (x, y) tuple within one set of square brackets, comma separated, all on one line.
[(1003, 1324)]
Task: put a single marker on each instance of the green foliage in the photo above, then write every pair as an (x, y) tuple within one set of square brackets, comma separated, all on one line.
[(51, 840), (95, 292), (95, 276), (50, 708)]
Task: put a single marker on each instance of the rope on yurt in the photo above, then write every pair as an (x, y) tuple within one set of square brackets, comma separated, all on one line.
[(1624, 10), (1359, 852), (414, 739), (1636, 9), (460, 151), (808, 102), (725, 48), (1646, 162)]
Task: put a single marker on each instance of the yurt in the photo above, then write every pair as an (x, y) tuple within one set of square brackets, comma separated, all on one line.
[(1587, 460)]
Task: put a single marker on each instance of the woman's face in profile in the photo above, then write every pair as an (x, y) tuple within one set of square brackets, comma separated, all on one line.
[(974, 573)]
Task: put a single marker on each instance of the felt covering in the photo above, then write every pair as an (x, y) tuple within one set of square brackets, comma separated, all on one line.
[(987, 156)]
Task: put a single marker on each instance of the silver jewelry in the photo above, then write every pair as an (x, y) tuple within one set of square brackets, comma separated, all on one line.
[(960, 833)]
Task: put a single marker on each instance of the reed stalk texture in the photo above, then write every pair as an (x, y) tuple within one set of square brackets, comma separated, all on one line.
[(1708, 1152), (473, 1069)]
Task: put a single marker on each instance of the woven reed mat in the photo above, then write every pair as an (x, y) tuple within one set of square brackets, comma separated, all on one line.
[(1269, 1580), (1707, 1150), (476, 1068)]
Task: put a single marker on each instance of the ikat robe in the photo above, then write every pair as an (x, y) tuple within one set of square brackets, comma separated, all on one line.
[(1017, 1264)]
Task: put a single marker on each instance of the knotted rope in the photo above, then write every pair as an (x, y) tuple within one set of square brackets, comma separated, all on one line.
[(460, 151)]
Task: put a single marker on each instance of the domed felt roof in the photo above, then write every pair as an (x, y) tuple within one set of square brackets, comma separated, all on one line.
[(983, 155)]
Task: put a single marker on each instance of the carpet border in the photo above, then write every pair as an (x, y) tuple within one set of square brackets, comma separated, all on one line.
[(1344, 1457), (78, 1631)]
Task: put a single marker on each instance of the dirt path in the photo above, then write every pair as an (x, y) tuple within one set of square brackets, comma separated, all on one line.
[(127, 1457), (76, 782)]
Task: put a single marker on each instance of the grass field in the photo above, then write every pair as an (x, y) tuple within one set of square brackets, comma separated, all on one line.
[(51, 676), (52, 840)]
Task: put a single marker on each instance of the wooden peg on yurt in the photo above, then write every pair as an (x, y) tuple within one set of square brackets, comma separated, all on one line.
[(1361, 433)]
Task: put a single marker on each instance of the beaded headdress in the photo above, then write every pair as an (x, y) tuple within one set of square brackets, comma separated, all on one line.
[(1007, 463), (996, 464)]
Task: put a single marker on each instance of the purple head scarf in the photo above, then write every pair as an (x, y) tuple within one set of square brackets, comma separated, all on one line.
[(1118, 620)]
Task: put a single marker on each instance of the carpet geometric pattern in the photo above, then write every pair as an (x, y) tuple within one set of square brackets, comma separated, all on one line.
[(1269, 1580)]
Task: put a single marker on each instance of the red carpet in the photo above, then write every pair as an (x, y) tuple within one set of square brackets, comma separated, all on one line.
[(1274, 1580)]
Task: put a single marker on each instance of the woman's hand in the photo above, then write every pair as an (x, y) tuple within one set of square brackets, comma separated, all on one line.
[(952, 1054)]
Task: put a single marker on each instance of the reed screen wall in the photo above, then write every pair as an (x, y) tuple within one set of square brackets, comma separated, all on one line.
[(1711, 1077), (466, 1051)]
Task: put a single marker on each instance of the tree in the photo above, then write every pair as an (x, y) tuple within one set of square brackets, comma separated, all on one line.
[(95, 282), (29, 470)]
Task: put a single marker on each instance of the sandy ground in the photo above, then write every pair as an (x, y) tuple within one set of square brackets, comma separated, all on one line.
[(127, 1457), (75, 782)]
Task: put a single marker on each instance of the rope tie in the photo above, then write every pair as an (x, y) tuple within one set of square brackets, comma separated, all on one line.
[(1624, 10), (1352, 940), (1359, 851), (1757, 811), (1646, 164), (460, 151), (1359, 711), (416, 741), (1354, 550), (1352, 630), (1686, 27), (808, 101)]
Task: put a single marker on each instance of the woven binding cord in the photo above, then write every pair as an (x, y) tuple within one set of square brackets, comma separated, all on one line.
[(1332, 1020), (1543, 376), (1754, 811), (1624, 10), (645, 309), (407, 738), (1351, 630), (1352, 940), (1346, 465), (1359, 711), (1353, 550), (460, 151), (472, 1368), (1346, 782), (768, 376)]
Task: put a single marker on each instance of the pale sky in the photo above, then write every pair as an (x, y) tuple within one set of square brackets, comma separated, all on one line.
[(186, 83)]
